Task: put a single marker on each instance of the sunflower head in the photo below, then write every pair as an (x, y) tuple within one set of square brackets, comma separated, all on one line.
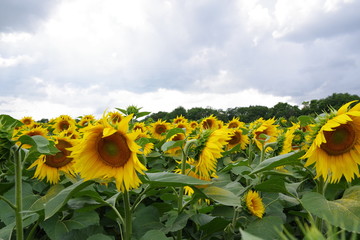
[(238, 138), (62, 123), (254, 204), (210, 122), (28, 121), (176, 150), (140, 126), (264, 131), (114, 117), (235, 123), (179, 119), (159, 128), (335, 147), (51, 166), (86, 121), (108, 152)]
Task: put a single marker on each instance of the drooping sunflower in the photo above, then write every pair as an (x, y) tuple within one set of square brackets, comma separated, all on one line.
[(109, 151), (159, 128), (210, 122), (254, 204), (63, 122), (238, 138), (293, 139), (115, 117), (52, 166), (211, 146), (335, 147), (262, 127)]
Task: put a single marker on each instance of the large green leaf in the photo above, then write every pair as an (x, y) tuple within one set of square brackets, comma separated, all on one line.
[(39, 143), (154, 235), (344, 212), (268, 227), (222, 196), (57, 202), (285, 159), (8, 123), (272, 185), (172, 179)]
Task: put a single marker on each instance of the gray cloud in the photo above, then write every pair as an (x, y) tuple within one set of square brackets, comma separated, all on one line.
[(23, 16)]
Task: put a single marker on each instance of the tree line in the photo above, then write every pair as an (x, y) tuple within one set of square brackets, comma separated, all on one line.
[(251, 113)]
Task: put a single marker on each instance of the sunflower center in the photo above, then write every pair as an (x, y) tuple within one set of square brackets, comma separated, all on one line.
[(339, 141), (114, 150), (208, 124), (233, 125), (60, 159), (64, 125), (160, 129), (235, 139)]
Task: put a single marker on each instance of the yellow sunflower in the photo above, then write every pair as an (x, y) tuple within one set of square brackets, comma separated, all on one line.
[(264, 127), (235, 123), (115, 117), (293, 138), (33, 132), (86, 120), (147, 147), (194, 125), (159, 128), (211, 146), (179, 119), (140, 126), (237, 137), (210, 122), (51, 166), (28, 121), (63, 122), (335, 148), (176, 150), (254, 204), (108, 151)]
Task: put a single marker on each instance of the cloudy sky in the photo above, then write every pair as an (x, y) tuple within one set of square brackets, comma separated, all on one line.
[(80, 57)]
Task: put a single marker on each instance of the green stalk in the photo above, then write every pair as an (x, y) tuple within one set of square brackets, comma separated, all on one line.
[(18, 195), (128, 216), (185, 152)]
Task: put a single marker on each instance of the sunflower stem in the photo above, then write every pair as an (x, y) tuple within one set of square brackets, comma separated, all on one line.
[(185, 152), (128, 216), (18, 194)]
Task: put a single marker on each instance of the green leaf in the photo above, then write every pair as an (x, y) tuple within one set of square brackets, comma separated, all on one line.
[(146, 219), (272, 185), (142, 114), (285, 159), (8, 123), (266, 228), (100, 236), (41, 144), (222, 196), (172, 144), (248, 236), (176, 222), (172, 179), (174, 131), (344, 212), (40, 203), (217, 224), (154, 235), (57, 202), (305, 120)]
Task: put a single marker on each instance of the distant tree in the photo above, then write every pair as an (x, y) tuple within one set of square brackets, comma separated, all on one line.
[(177, 112), (198, 113), (284, 110), (43, 120), (158, 115)]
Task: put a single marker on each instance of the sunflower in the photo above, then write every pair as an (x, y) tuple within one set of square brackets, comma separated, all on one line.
[(86, 120), (33, 132), (28, 121), (211, 145), (210, 122), (115, 117), (176, 150), (293, 139), (263, 127), (237, 137), (335, 147), (51, 166), (63, 122), (194, 125), (140, 126), (254, 204), (147, 146), (235, 123), (108, 151), (179, 119), (159, 128)]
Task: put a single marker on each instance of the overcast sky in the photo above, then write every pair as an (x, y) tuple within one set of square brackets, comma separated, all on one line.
[(80, 57)]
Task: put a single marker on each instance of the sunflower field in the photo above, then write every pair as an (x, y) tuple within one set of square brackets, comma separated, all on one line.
[(119, 177)]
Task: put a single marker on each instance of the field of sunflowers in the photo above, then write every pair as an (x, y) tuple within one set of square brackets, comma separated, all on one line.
[(119, 177)]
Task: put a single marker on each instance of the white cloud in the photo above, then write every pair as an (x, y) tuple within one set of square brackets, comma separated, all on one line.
[(13, 61)]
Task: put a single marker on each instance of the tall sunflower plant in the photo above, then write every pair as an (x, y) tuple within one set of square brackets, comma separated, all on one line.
[(122, 178)]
